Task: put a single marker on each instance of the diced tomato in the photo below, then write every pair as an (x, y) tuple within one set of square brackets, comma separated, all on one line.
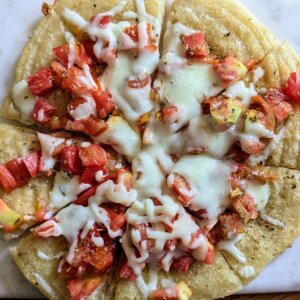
[(69, 271), (142, 228), (104, 103), (19, 170), (132, 32), (99, 257), (168, 113), (292, 87), (76, 82), (117, 221), (62, 53), (31, 162), (138, 84), (125, 177), (90, 126), (126, 271), (41, 83), (70, 161), (195, 45), (182, 188), (170, 244), (42, 111), (230, 69), (93, 155), (103, 20), (60, 72), (47, 229), (84, 197), (245, 206), (256, 147), (81, 288), (89, 48), (230, 222), (82, 58), (89, 173), (211, 254), (76, 101), (277, 100), (215, 235), (179, 292), (182, 263)]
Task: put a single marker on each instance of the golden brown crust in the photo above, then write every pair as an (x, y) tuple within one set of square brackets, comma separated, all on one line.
[(229, 27), (263, 241), (16, 142)]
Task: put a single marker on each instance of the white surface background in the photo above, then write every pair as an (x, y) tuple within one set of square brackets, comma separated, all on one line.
[(18, 18)]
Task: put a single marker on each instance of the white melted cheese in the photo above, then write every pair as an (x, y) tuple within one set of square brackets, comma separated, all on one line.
[(209, 178), (84, 110), (44, 256), (247, 271), (120, 136), (24, 100), (260, 194), (258, 74), (65, 190), (72, 50), (43, 283), (257, 129), (229, 246)]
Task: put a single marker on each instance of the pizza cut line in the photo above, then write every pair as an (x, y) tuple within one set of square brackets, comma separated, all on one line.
[(164, 166)]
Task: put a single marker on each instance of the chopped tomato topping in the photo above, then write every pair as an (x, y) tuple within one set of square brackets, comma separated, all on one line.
[(169, 244), (19, 170), (103, 21), (90, 126), (256, 147), (230, 222), (31, 162), (76, 82), (69, 271), (277, 101), (41, 83), (182, 263), (81, 288), (142, 228), (179, 292), (182, 188), (139, 84), (70, 161), (62, 53), (125, 177), (84, 197), (195, 45), (211, 254), (104, 103), (230, 70), (93, 155), (60, 72), (168, 112), (132, 32), (292, 87), (42, 111), (126, 271), (89, 48), (245, 206), (117, 220), (89, 173)]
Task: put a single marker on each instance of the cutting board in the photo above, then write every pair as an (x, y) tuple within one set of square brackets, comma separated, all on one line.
[(18, 18)]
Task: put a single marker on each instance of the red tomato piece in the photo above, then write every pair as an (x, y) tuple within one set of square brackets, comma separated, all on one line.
[(7, 180), (89, 48), (132, 32), (84, 197), (32, 162), (182, 263), (139, 84), (75, 82), (195, 45), (181, 188), (19, 170), (89, 173), (170, 244), (69, 271), (41, 83), (211, 254), (142, 228), (103, 21), (125, 177), (93, 155), (230, 222), (70, 161), (126, 271), (81, 288), (292, 87), (104, 103), (60, 72), (277, 100), (168, 112), (90, 126), (117, 220), (62, 53), (42, 111), (245, 206)]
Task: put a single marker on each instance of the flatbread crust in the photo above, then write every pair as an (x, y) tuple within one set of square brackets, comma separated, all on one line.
[(16, 142), (228, 26), (261, 244)]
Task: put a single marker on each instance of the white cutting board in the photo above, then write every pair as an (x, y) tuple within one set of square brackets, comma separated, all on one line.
[(18, 18)]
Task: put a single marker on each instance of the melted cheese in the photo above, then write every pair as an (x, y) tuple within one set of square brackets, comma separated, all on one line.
[(247, 271), (84, 110), (44, 256), (23, 100), (260, 194), (210, 178), (43, 283), (120, 136)]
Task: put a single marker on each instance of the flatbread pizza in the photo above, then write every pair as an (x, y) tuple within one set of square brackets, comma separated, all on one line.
[(164, 164)]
